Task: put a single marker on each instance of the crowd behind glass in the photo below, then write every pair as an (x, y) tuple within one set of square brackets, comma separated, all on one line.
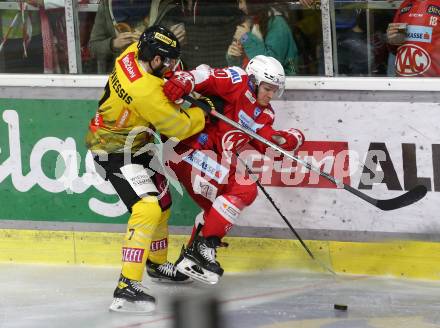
[(218, 33)]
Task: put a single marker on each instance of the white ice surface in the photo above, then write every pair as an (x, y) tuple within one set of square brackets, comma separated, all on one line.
[(79, 296)]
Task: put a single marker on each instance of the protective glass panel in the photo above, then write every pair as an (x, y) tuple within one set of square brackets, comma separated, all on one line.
[(217, 33), (368, 38), (33, 37), (386, 38)]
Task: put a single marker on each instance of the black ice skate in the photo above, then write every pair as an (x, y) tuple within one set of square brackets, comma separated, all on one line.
[(130, 296), (166, 273), (198, 260)]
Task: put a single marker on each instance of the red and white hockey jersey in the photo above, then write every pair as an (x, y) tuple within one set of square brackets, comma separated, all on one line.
[(419, 56), (231, 84)]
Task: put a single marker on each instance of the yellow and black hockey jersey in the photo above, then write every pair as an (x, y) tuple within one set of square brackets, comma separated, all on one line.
[(133, 104)]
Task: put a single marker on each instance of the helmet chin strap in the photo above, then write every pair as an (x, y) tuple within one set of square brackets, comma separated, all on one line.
[(158, 70), (253, 84)]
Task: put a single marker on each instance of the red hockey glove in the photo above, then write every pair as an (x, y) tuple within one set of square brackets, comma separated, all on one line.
[(290, 139), (179, 85)]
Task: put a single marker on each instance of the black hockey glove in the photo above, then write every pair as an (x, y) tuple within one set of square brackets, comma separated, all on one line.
[(212, 103)]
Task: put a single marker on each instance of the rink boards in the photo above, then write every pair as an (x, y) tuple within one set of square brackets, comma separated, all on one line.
[(55, 209), (404, 258)]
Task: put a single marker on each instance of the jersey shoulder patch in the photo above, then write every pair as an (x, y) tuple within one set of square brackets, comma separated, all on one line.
[(235, 73), (129, 67), (406, 9), (433, 10)]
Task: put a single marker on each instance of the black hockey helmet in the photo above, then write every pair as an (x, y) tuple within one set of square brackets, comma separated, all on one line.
[(158, 40)]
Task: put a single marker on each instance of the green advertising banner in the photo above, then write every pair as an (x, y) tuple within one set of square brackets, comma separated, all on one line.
[(46, 173)]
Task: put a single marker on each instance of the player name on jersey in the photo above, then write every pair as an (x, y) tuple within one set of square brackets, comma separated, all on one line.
[(120, 91)]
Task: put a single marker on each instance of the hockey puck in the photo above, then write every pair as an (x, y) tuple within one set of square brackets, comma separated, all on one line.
[(340, 307)]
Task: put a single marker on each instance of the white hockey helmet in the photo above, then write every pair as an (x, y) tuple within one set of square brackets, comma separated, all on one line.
[(267, 69)]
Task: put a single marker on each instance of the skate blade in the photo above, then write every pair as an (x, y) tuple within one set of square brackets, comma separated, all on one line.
[(207, 277), (124, 306), (169, 281)]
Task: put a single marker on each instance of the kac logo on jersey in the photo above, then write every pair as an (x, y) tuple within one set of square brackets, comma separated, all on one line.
[(234, 140), (419, 33), (412, 60), (235, 76)]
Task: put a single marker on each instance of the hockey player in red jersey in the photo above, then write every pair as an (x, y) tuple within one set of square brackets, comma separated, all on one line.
[(415, 36), (208, 169)]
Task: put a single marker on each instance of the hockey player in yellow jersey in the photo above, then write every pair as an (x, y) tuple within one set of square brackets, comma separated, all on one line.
[(132, 106)]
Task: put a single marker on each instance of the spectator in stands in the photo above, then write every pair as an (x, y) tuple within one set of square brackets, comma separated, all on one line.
[(86, 22), (119, 23), (265, 31), (355, 57), (414, 36), (352, 44), (27, 46), (307, 33), (351, 37), (210, 25)]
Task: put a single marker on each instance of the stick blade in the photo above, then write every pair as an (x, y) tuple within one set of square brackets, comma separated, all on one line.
[(410, 197)]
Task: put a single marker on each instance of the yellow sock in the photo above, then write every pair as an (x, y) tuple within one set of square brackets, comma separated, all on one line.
[(141, 227), (159, 244)]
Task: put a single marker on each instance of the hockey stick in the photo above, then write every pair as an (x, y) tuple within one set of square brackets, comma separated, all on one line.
[(275, 206), (408, 198)]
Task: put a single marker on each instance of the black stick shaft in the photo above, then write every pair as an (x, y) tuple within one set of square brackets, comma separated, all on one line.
[(275, 206)]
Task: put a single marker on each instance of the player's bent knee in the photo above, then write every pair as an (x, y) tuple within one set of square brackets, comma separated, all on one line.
[(244, 195), (147, 208), (248, 194)]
